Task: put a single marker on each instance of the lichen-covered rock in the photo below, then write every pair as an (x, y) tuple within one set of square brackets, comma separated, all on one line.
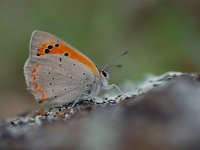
[(160, 113)]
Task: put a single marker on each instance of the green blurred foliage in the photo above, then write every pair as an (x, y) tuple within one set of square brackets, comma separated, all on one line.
[(160, 35)]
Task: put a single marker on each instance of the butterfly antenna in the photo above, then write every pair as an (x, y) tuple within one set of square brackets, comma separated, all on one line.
[(117, 66), (115, 58), (123, 54), (109, 65)]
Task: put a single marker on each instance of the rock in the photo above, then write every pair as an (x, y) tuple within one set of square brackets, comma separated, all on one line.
[(162, 112)]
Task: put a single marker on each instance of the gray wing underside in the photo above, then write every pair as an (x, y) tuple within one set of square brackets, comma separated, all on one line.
[(61, 78)]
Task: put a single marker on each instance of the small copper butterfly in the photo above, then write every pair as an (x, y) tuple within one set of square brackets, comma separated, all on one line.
[(57, 73)]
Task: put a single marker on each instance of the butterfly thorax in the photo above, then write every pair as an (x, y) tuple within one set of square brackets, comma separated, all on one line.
[(100, 82)]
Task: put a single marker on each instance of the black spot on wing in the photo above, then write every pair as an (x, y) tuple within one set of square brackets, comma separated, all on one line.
[(46, 51), (56, 45), (50, 47)]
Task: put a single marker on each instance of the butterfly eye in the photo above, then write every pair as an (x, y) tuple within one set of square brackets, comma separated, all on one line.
[(104, 73)]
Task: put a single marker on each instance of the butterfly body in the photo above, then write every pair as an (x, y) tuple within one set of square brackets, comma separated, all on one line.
[(58, 73)]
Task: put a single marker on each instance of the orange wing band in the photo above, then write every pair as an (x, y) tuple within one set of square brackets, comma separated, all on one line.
[(36, 86), (64, 49)]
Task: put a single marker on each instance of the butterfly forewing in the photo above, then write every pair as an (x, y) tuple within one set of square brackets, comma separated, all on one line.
[(43, 43)]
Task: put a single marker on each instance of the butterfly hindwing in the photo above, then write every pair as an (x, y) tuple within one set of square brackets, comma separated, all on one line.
[(57, 79)]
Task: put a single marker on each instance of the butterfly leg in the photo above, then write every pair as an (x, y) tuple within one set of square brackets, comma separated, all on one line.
[(116, 87), (120, 98), (78, 98)]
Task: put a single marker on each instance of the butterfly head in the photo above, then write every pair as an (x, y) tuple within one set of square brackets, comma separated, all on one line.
[(105, 73)]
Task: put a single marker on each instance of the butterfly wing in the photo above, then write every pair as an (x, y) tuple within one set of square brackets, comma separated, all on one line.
[(43, 43), (55, 76), (58, 79)]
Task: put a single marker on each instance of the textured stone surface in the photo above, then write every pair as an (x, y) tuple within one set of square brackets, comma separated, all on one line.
[(161, 113)]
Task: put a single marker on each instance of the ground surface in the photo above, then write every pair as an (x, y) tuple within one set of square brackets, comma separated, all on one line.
[(163, 112)]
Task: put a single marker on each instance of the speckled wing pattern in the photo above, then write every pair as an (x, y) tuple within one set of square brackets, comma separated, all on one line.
[(56, 72)]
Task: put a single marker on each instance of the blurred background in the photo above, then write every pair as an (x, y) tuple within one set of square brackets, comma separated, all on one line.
[(160, 35)]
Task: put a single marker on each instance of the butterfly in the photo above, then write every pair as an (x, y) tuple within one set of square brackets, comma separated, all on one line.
[(57, 73)]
